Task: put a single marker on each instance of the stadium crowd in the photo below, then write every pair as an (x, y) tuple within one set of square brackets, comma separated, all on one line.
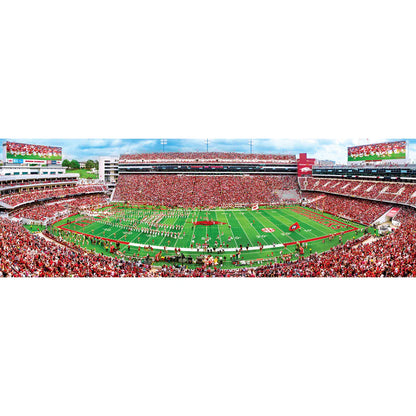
[(42, 212), (29, 196), (381, 191), (360, 210), (204, 190), (207, 157), (393, 255), (24, 254), (15, 183)]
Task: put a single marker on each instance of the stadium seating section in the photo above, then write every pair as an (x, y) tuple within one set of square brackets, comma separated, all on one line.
[(362, 211), (25, 254), (30, 196), (19, 183), (364, 201), (380, 191), (42, 212), (205, 190)]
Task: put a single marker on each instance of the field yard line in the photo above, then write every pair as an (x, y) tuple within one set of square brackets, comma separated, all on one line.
[(218, 226), (251, 243), (180, 234), (277, 227), (135, 220), (118, 229), (163, 238), (235, 241), (321, 228), (137, 236), (325, 216), (259, 231), (137, 224), (317, 228), (125, 217)]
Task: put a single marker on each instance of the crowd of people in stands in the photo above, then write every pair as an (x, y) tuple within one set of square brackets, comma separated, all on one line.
[(29, 196), (207, 157), (13, 183), (24, 254), (360, 210), (204, 190), (393, 255), (42, 212), (381, 191)]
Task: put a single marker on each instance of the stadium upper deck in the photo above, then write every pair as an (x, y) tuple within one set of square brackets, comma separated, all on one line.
[(405, 173), (207, 158)]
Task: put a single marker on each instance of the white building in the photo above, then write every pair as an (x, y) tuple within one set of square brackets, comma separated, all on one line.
[(108, 170), (25, 171)]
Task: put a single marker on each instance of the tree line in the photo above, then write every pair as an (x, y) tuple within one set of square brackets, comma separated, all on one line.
[(74, 164)]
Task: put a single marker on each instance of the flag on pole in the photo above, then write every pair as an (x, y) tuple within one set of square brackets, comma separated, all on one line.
[(255, 207), (294, 227)]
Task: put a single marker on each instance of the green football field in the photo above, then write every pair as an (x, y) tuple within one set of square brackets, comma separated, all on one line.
[(263, 234)]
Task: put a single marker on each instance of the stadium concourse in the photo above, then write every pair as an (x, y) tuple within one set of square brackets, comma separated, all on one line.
[(48, 200)]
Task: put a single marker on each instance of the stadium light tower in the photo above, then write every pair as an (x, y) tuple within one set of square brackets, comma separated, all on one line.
[(163, 141), (207, 145), (251, 145)]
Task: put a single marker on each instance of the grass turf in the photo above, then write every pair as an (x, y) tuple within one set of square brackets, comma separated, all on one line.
[(230, 228), (84, 173), (34, 228)]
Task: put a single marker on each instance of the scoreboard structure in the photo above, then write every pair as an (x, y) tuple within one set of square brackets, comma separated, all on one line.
[(396, 151), (25, 154)]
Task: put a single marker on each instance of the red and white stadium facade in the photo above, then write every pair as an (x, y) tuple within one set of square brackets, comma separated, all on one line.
[(305, 165)]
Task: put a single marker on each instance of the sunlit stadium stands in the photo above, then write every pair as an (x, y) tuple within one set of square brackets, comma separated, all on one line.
[(206, 190), (207, 157), (29, 196), (376, 190)]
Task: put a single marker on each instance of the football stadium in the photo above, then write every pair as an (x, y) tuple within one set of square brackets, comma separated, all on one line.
[(209, 214)]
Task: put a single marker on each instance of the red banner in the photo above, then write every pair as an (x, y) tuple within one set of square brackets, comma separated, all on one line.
[(305, 165), (294, 227)]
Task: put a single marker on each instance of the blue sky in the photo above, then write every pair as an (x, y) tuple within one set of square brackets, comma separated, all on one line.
[(324, 149)]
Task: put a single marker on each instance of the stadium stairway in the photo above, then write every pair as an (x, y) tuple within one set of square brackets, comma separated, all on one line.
[(386, 217), (112, 194)]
